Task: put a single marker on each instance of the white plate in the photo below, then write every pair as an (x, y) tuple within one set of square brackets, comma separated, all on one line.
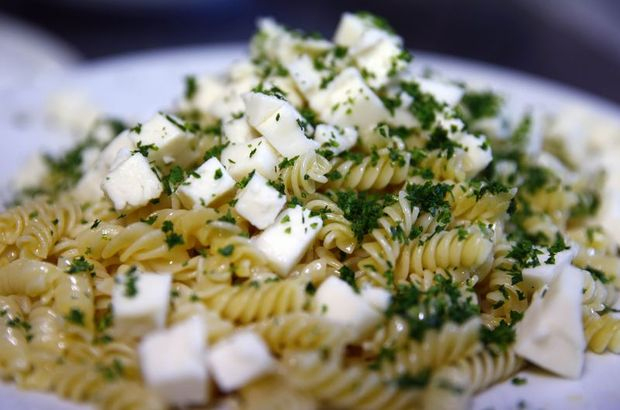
[(135, 86)]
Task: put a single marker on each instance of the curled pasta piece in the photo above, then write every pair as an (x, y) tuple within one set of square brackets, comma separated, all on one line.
[(425, 279), (301, 178), (556, 202), (468, 204), (597, 296), (466, 248), (444, 168), (14, 351), (81, 383), (274, 393), (339, 386), (29, 278), (371, 172), (253, 301), (336, 231), (602, 333), (300, 331), (236, 254)]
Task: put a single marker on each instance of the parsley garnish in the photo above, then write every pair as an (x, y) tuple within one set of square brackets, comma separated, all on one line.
[(172, 239), (226, 250), (75, 316), (80, 264), (348, 275), (362, 209), (191, 86), (501, 337), (439, 140), (481, 104), (431, 198)]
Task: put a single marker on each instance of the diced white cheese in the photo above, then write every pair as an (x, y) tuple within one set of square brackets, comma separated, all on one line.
[(338, 302), (442, 91), (31, 172), (288, 238), (208, 90), (229, 105), (88, 189), (378, 298), (477, 154), (238, 130), (259, 107), (90, 157), (306, 77), (380, 55), (242, 158), (287, 85), (335, 139), (259, 202), (165, 133), (283, 128), (209, 182), (140, 302), (348, 101), (239, 359), (173, 363), (550, 334), (537, 277), (132, 183), (102, 132), (350, 29), (121, 142)]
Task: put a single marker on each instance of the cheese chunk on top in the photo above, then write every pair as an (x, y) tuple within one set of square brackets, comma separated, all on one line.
[(284, 128), (166, 135), (241, 158), (173, 362), (208, 183), (551, 331), (132, 183), (288, 238), (239, 359), (338, 302), (259, 202), (335, 139), (140, 302)]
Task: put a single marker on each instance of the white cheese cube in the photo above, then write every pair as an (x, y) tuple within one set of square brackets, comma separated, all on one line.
[(335, 139), (165, 133), (121, 142), (380, 55), (140, 302), (259, 202), (208, 90), (239, 359), (442, 91), (378, 298), (477, 154), (229, 105), (173, 362), (238, 130), (132, 183), (285, 242), (31, 173), (209, 182), (242, 158), (348, 101), (283, 128), (338, 302), (88, 189), (259, 107), (350, 29), (306, 77), (550, 334), (538, 276)]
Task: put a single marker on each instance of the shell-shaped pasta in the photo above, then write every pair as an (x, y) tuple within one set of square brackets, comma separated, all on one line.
[(302, 177), (254, 301), (339, 386), (372, 172), (301, 331)]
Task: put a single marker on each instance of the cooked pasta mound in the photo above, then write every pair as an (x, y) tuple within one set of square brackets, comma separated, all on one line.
[(326, 225)]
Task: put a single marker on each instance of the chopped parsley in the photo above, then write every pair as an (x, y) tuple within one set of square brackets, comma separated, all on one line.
[(439, 140), (75, 316), (144, 149), (348, 275), (191, 87), (500, 338), (131, 280), (598, 274), (362, 209), (173, 179), (424, 106), (431, 198), (226, 250), (172, 238), (80, 264), (481, 104), (214, 152), (413, 381)]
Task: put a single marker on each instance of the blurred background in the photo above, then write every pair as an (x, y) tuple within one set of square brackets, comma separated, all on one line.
[(572, 41)]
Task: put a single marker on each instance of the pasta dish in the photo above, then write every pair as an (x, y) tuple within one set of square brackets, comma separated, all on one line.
[(323, 226)]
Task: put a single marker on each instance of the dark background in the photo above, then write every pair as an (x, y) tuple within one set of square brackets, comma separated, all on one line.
[(573, 41)]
